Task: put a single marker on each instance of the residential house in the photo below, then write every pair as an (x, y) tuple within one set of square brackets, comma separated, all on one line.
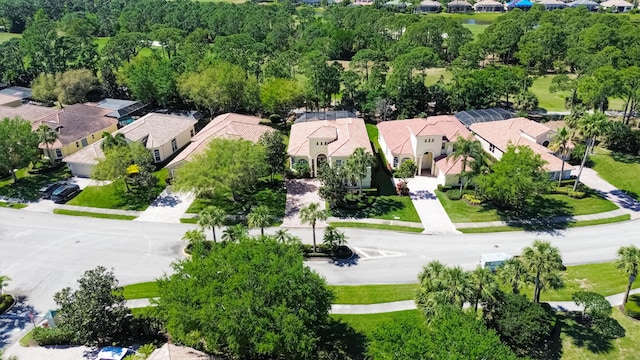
[(14, 96), (591, 5), (226, 126), (77, 126), (459, 6), (428, 6), (328, 141), (425, 141), (123, 110), (495, 136), (174, 352), (552, 4), (397, 5), (523, 5), (31, 113), (162, 134), (617, 6), (488, 6)]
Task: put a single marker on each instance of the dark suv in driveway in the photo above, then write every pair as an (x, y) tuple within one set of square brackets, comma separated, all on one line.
[(63, 194), (45, 191)]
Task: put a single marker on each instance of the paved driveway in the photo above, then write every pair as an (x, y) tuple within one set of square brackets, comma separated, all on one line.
[(168, 207), (300, 193), (434, 219)]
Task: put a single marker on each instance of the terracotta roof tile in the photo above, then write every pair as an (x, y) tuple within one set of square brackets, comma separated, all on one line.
[(346, 135), (397, 133)]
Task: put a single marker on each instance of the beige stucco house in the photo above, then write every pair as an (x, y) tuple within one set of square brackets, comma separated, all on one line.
[(495, 136), (227, 126), (162, 134), (328, 141), (78, 126), (425, 141)]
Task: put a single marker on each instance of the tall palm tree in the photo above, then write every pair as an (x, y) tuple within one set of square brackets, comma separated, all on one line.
[(543, 262), (464, 149), (360, 161), (235, 233), (310, 214), (628, 263), (591, 126), (560, 145), (211, 217), (456, 286), (484, 286), (47, 136), (333, 237), (259, 218), (110, 141), (513, 273), (441, 285), (4, 281), (283, 236), (194, 237)]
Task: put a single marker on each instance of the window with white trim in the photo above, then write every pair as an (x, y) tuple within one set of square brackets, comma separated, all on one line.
[(174, 145), (156, 155)]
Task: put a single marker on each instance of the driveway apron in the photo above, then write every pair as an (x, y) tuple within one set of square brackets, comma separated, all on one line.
[(434, 219)]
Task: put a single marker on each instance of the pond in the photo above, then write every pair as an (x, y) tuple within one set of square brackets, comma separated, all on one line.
[(475, 22)]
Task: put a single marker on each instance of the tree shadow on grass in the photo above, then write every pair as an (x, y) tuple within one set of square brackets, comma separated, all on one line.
[(380, 207), (589, 337), (625, 158), (540, 215), (27, 188), (338, 340)]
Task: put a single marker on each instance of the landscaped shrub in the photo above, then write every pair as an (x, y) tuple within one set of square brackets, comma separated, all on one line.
[(6, 300), (472, 199), (454, 194), (577, 194), (51, 336), (302, 169), (402, 189), (632, 308)]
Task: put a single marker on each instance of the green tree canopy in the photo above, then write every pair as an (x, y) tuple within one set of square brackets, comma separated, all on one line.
[(232, 300), (72, 86), (18, 143)]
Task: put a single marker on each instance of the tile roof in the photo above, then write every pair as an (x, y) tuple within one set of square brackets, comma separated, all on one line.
[(449, 166), (158, 128), (8, 99), (505, 132), (76, 122), (397, 133), (345, 136), (228, 126), (31, 113)]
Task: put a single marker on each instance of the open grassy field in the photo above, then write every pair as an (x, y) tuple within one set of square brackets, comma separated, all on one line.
[(476, 29), (373, 294), (621, 171), (6, 36), (547, 100)]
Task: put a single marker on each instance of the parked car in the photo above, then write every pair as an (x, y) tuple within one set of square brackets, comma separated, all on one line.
[(45, 191), (63, 194)]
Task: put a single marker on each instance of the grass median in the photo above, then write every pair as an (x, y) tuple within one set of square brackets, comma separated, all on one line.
[(93, 214), (490, 229), (361, 225)]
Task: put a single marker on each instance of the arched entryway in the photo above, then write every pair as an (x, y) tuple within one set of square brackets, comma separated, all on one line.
[(426, 162), (321, 159)]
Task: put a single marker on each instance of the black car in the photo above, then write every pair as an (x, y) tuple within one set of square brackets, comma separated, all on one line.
[(45, 191), (62, 194)]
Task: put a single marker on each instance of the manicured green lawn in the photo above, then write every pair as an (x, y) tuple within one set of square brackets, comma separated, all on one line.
[(482, 18), (588, 205), (115, 196), (547, 100), (140, 290), (372, 132), (366, 324), (348, 224), (434, 74), (490, 229), (476, 29), (7, 36), (93, 214), (373, 294), (461, 211), (622, 173), (28, 185), (392, 207)]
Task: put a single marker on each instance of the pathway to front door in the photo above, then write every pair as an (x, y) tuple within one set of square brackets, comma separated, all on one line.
[(434, 219)]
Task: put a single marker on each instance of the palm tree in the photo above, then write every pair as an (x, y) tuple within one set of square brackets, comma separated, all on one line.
[(360, 161), (628, 261), (440, 285), (194, 237), (484, 286), (283, 236), (456, 286), (259, 217), (542, 262), (333, 237), (560, 145), (464, 149), (109, 141), (235, 233), (47, 136), (4, 281), (211, 217), (591, 126), (310, 214), (512, 273)]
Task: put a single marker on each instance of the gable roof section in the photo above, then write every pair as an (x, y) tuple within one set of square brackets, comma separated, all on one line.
[(449, 166), (227, 126), (350, 134), (31, 113), (76, 122), (503, 133), (397, 133)]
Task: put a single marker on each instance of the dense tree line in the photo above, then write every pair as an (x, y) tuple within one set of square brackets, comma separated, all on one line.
[(228, 57)]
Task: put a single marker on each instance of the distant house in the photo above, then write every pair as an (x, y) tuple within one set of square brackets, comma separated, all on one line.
[(617, 6), (425, 141), (226, 126), (428, 6), (591, 5), (459, 6), (552, 4), (162, 134), (495, 136), (14, 96), (488, 6), (31, 113), (77, 126), (523, 5), (397, 5), (123, 110), (328, 141)]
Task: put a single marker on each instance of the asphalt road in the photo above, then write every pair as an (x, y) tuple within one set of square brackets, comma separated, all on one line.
[(42, 253)]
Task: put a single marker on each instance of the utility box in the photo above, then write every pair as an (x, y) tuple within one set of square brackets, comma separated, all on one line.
[(493, 260)]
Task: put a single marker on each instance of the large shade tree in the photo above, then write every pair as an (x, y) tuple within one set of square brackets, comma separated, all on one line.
[(232, 301), (18, 143)]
